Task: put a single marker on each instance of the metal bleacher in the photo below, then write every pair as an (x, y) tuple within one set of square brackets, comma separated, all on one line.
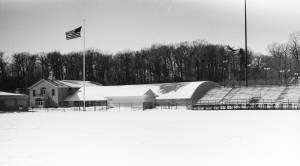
[(290, 95), (214, 96), (256, 97), (242, 95)]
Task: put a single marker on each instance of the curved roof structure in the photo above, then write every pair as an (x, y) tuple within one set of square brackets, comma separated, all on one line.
[(180, 90)]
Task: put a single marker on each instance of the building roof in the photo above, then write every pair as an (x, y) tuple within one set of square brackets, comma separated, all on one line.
[(67, 83), (91, 95), (78, 84), (180, 90), (98, 93), (7, 94)]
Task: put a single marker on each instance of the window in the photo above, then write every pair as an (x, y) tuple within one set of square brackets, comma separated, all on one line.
[(43, 91), (53, 92), (39, 102), (33, 93)]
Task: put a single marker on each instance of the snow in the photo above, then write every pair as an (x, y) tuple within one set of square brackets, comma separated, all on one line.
[(98, 93), (181, 90), (10, 94), (152, 137), (92, 94), (78, 84)]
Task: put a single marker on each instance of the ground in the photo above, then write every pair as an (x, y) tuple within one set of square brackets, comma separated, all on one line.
[(150, 138)]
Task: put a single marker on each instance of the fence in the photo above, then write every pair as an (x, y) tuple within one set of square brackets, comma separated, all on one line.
[(247, 104)]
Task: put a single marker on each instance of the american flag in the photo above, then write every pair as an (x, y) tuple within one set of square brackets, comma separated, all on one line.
[(73, 34)]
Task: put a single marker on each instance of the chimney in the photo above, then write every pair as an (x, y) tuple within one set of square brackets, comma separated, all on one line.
[(51, 76)]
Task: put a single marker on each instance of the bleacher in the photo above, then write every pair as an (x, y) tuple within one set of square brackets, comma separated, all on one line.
[(254, 97), (290, 95), (271, 93), (214, 95), (242, 95)]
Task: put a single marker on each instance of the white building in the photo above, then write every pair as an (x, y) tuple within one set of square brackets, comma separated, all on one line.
[(116, 96), (52, 93), (143, 96)]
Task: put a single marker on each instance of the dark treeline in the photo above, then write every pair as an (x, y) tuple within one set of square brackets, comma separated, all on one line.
[(186, 61)]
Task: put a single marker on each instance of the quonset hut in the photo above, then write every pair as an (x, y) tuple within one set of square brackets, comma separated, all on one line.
[(13, 102), (182, 93)]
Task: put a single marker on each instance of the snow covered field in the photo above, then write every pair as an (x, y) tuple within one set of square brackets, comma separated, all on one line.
[(150, 138)]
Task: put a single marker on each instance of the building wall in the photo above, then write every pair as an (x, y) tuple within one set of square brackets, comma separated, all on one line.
[(132, 101), (173, 102), (49, 99), (87, 103), (56, 100), (14, 103)]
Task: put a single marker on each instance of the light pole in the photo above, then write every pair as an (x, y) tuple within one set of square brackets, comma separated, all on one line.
[(281, 73), (296, 77), (285, 72), (266, 77), (224, 64)]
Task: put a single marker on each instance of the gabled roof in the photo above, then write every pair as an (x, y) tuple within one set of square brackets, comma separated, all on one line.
[(53, 82), (78, 84), (66, 83)]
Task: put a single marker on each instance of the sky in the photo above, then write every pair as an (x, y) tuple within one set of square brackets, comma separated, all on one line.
[(116, 25)]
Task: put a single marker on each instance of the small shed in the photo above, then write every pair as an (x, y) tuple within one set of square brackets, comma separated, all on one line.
[(13, 102)]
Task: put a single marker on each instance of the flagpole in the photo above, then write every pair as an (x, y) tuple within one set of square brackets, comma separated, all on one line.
[(246, 46), (84, 65)]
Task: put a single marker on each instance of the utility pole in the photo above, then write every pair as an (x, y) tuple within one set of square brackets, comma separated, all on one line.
[(246, 47)]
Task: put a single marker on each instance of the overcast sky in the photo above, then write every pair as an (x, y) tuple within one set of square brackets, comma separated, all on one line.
[(116, 25)]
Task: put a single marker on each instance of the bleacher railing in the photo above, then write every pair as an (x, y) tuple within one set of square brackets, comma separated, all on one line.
[(247, 104)]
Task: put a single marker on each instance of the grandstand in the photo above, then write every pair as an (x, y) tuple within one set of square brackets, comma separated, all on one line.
[(242, 95), (271, 93), (290, 95), (215, 95), (254, 97)]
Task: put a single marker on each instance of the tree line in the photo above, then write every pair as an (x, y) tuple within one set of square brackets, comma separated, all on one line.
[(186, 61)]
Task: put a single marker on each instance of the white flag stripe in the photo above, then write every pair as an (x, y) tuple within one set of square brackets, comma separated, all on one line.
[(73, 34)]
